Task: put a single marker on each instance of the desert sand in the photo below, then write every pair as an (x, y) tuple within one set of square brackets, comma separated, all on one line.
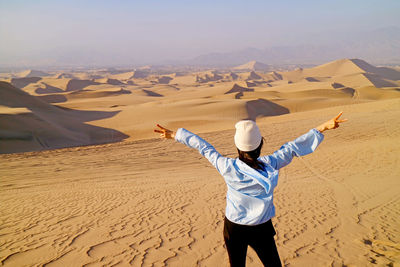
[(85, 181)]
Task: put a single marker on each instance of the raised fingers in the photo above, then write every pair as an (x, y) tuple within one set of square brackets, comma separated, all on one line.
[(158, 131), (158, 125), (338, 116)]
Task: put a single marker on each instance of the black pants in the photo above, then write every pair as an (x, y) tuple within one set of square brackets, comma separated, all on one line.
[(260, 237)]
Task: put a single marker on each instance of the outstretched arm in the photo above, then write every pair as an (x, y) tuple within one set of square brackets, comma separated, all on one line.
[(303, 145), (193, 141)]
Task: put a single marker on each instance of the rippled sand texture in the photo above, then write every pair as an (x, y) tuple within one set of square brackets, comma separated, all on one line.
[(157, 203)]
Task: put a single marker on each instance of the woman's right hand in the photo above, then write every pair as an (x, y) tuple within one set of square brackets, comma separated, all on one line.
[(331, 124), (164, 132)]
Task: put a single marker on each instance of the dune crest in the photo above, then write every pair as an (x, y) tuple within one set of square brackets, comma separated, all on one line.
[(254, 76), (253, 66), (45, 126), (211, 76), (75, 84), (32, 73), (93, 184), (22, 82), (154, 202), (214, 98)]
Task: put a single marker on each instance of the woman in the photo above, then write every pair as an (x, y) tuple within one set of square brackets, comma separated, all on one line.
[(251, 180)]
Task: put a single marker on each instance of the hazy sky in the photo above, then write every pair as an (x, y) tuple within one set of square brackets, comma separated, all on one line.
[(51, 32)]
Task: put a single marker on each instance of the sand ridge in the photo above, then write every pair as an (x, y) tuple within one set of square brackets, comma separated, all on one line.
[(88, 183), (214, 98), (155, 202)]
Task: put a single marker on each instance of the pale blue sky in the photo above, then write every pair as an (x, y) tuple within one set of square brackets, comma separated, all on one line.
[(51, 32)]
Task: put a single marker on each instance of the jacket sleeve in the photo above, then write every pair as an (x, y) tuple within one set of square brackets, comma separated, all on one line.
[(206, 150), (301, 146)]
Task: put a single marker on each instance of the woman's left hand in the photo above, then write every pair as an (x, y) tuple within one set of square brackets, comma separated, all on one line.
[(164, 132), (331, 124)]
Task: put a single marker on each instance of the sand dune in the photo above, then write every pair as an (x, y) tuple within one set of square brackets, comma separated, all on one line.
[(345, 68), (253, 66), (254, 76), (75, 85), (150, 93), (141, 73), (122, 76), (384, 72), (157, 203), (361, 80), (335, 68), (187, 79), (211, 76), (46, 126), (147, 202), (32, 73), (64, 75), (96, 93), (239, 90), (233, 76), (22, 82), (164, 79), (58, 83), (380, 82), (272, 76), (109, 81), (48, 89), (217, 98)]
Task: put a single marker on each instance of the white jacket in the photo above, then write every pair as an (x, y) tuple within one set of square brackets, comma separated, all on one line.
[(249, 199)]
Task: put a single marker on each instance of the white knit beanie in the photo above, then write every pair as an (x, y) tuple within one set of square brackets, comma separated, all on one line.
[(247, 136)]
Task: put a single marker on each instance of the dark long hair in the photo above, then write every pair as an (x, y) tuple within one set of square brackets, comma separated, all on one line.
[(251, 157)]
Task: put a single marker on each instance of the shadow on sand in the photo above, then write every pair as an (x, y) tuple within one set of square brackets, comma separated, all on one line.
[(263, 107), (44, 126)]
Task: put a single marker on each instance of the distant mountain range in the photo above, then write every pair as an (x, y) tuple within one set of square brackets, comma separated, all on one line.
[(380, 46)]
